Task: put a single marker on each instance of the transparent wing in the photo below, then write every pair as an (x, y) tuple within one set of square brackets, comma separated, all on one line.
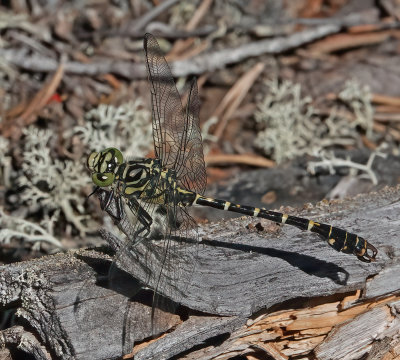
[(191, 169), (176, 134), (163, 260)]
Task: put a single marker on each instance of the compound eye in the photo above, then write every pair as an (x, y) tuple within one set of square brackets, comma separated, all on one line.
[(110, 167), (92, 161), (103, 179), (116, 154)]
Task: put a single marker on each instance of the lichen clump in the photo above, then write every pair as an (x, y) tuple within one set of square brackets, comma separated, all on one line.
[(291, 126), (50, 189), (127, 127)]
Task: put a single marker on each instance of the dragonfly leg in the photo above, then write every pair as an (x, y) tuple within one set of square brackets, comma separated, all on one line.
[(96, 190), (119, 207), (105, 203), (142, 216), (106, 198)]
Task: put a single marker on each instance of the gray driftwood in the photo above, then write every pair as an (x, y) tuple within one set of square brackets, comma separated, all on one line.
[(242, 271)]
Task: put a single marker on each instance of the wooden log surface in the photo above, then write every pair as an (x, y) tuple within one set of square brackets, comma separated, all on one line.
[(255, 290)]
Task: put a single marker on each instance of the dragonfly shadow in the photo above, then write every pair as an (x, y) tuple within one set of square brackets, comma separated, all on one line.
[(122, 282), (308, 264), (138, 302)]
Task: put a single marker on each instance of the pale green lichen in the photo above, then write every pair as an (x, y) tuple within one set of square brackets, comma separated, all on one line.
[(229, 14), (290, 122), (49, 183), (5, 163), (54, 186), (13, 227), (127, 127), (292, 127), (358, 98), (206, 135)]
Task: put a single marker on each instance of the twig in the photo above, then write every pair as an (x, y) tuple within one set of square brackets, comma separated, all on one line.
[(386, 100), (235, 96), (13, 127), (385, 117), (353, 19), (40, 63), (344, 41), (330, 162), (245, 159), (219, 59), (161, 29), (181, 45), (152, 14), (370, 16), (198, 65), (198, 15)]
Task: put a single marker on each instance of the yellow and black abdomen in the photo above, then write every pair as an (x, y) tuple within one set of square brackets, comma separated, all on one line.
[(339, 239)]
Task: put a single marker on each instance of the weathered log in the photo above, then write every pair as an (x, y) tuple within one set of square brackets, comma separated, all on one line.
[(262, 289), (18, 339)]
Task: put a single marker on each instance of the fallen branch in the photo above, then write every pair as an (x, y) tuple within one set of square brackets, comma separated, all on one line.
[(197, 65), (252, 281), (244, 159), (234, 97), (13, 127)]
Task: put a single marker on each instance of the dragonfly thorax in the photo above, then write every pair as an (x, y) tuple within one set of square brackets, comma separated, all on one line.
[(104, 165)]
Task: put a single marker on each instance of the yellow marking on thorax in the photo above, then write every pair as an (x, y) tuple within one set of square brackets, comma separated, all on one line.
[(124, 174), (256, 211), (226, 206), (331, 241), (310, 225), (284, 218), (183, 191), (330, 231), (131, 189), (198, 196)]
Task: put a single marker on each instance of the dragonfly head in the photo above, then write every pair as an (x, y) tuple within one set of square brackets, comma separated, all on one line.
[(103, 165)]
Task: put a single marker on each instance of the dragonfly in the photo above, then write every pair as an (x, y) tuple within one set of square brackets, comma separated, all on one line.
[(174, 180)]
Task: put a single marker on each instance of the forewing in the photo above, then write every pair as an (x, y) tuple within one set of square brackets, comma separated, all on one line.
[(177, 136), (191, 169), (168, 115)]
